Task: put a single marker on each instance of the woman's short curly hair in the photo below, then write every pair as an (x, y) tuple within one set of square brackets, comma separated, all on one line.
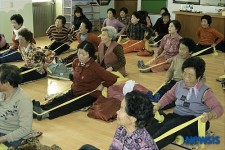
[(60, 17), (112, 10), (197, 63), (189, 43), (124, 9), (27, 34), (88, 25), (11, 74), (208, 18), (18, 18), (137, 14), (111, 32), (140, 107)]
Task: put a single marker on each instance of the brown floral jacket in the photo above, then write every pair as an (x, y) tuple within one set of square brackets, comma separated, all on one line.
[(33, 57)]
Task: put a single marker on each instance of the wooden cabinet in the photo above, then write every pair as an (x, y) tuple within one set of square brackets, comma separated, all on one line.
[(190, 22), (92, 12)]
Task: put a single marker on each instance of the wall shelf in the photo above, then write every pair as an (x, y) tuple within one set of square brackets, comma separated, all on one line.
[(92, 12)]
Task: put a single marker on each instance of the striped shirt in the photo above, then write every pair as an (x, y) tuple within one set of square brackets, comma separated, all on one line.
[(64, 35)]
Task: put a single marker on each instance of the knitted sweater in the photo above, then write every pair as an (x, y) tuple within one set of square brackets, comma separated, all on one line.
[(116, 24), (208, 99), (16, 115), (175, 70), (209, 36)]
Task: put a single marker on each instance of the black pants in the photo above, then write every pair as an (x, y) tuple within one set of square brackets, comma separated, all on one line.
[(58, 47), (66, 109), (30, 76), (221, 46), (6, 57), (199, 47), (164, 89), (172, 120)]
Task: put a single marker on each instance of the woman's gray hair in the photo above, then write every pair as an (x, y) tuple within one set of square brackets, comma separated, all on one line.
[(111, 32)]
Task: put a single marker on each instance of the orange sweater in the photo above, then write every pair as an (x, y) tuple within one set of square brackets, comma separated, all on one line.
[(209, 36)]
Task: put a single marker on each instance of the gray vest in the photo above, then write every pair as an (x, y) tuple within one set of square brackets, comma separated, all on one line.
[(192, 107)]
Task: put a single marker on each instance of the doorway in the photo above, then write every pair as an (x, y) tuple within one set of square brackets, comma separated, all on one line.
[(43, 17)]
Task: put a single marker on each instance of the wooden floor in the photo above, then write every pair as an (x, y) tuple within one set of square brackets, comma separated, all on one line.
[(72, 131)]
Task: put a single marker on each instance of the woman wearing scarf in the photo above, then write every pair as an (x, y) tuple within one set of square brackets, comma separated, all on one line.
[(192, 99)]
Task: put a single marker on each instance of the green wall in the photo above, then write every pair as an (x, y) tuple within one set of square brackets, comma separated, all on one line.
[(153, 6)]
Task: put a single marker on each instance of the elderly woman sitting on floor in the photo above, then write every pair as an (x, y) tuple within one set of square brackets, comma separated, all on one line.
[(111, 54)]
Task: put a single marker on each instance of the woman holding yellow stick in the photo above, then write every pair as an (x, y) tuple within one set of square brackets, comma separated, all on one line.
[(167, 50), (192, 99), (88, 76), (32, 57), (174, 73), (136, 33), (135, 113), (208, 37), (110, 53)]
